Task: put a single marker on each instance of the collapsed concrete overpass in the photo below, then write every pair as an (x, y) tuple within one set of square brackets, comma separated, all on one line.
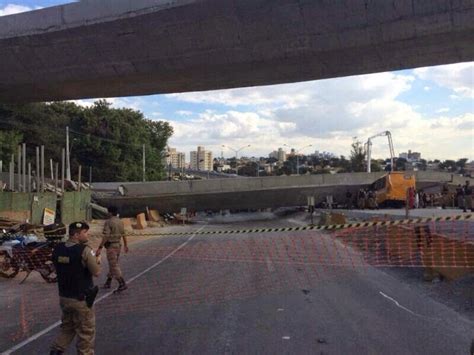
[(113, 48), (249, 193)]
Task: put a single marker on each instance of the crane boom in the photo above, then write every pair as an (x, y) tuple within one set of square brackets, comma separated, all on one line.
[(368, 148)]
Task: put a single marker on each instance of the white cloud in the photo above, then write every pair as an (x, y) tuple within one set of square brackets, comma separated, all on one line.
[(287, 95), (457, 77), (11, 9), (184, 113), (134, 103), (326, 114)]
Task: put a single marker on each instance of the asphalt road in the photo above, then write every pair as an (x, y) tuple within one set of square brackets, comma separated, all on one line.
[(246, 294)]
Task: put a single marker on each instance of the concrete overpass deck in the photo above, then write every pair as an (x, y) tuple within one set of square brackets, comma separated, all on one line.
[(113, 48)]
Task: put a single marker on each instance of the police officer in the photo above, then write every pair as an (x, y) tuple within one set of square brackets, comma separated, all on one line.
[(76, 264), (460, 196), (445, 199), (468, 197), (361, 196), (348, 200), (113, 234)]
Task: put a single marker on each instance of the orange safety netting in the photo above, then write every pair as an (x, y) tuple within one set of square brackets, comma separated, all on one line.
[(182, 271)]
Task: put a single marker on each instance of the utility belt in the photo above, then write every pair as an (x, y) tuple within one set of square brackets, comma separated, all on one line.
[(88, 296), (109, 244)]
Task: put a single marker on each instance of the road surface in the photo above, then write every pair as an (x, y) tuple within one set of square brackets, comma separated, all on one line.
[(298, 293)]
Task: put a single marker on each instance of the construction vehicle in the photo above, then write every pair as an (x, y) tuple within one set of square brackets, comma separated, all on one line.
[(368, 149), (391, 189)]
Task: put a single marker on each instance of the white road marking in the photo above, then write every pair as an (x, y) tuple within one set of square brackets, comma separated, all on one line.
[(280, 310), (286, 338), (54, 325), (404, 308), (298, 222)]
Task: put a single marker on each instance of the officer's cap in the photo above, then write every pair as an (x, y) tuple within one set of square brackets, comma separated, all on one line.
[(77, 227)]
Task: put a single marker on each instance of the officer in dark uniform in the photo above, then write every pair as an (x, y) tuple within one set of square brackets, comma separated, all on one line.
[(468, 197), (76, 264)]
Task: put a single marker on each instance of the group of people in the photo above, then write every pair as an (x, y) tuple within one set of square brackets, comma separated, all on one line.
[(76, 264), (366, 198), (462, 198)]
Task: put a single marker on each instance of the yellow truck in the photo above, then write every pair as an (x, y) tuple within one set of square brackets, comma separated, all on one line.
[(392, 188)]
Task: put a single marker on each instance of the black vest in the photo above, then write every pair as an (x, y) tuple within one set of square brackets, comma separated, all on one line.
[(73, 277)]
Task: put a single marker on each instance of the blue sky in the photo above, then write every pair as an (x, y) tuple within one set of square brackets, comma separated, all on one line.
[(34, 3), (430, 110)]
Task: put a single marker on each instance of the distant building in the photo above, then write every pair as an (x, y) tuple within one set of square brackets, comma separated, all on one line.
[(410, 156), (223, 168), (279, 155), (322, 155), (201, 159), (176, 159), (469, 169)]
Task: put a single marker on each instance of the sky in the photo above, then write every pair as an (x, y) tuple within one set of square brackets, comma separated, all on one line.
[(428, 110)]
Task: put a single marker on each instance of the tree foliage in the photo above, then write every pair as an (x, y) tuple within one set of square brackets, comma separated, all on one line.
[(107, 139), (357, 157)]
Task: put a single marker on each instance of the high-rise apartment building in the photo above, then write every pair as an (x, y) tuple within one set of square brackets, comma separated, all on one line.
[(201, 159), (176, 159), (279, 154)]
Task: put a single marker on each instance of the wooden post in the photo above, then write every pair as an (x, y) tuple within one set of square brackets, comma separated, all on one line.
[(42, 168), (56, 178), (52, 169), (79, 179), (63, 158), (12, 173), (38, 169), (144, 166), (68, 158), (19, 168), (29, 177), (24, 167)]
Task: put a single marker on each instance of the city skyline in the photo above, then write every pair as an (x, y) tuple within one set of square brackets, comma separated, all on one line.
[(428, 110)]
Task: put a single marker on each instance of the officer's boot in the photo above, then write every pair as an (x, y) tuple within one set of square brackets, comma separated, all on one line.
[(122, 285), (56, 352), (107, 283)]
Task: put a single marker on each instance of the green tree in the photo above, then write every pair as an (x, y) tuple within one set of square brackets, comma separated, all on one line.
[(422, 165), (357, 158), (449, 165), (400, 164), (9, 141), (461, 164), (375, 166), (107, 139)]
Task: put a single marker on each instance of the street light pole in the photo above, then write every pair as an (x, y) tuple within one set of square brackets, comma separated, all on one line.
[(236, 151), (297, 156), (144, 164)]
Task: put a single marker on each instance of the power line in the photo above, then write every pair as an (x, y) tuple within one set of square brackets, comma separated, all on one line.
[(26, 126), (105, 139)]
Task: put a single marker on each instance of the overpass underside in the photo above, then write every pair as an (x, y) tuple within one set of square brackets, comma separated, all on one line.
[(114, 48)]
